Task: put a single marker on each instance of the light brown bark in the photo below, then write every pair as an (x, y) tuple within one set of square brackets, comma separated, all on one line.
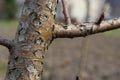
[(35, 32), (32, 39), (85, 29)]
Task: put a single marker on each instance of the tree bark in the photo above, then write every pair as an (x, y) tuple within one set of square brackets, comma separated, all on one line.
[(85, 29), (35, 32), (32, 39)]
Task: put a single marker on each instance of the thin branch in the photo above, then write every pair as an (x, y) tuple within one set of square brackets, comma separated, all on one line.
[(7, 43), (83, 51), (77, 78), (83, 56), (87, 9), (65, 12), (101, 18), (82, 30)]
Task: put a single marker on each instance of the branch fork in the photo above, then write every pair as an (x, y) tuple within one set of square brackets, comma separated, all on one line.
[(83, 29)]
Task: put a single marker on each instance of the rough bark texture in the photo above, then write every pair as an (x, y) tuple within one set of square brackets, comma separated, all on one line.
[(36, 31), (84, 29), (32, 39)]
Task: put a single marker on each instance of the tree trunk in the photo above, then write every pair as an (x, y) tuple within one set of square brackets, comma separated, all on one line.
[(32, 39), (36, 30)]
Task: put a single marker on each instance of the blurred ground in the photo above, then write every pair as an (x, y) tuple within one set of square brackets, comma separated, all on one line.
[(63, 59)]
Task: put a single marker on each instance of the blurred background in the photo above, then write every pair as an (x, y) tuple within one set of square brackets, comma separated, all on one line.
[(95, 57)]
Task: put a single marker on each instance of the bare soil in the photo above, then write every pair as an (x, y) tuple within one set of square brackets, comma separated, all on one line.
[(95, 57)]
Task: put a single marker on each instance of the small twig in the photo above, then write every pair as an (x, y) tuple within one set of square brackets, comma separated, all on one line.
[(77, 78), (88, 9), (101, 18), (83, 52), (83, 57), (65, 12), (7, 43)]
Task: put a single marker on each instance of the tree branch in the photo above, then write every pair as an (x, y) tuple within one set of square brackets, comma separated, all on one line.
[(82, 30), (66, 13), (7, 43)]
